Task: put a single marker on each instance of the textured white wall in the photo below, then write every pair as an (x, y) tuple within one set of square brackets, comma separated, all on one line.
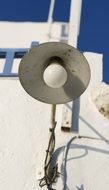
[(25, 122), (100, 97), (23, 125)]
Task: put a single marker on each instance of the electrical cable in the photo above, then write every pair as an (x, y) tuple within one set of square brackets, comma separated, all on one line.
[(50, 173)]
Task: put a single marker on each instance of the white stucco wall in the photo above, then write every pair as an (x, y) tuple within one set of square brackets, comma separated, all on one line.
[(25, 122), (17, 35)]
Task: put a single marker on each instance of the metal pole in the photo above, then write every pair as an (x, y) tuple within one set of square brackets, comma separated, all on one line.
[(74, 23), (50, 15), (50, 171), (53, 114), (50, 18)]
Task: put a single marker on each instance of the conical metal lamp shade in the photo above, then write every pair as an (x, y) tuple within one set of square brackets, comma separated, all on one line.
[(35, 62)]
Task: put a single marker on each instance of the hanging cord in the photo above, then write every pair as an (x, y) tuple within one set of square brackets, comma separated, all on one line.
[(50, 173)]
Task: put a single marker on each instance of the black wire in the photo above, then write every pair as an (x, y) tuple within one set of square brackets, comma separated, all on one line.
[(50, 173)]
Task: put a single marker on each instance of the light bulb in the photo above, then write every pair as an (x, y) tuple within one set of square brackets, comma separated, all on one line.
[(55, 75)]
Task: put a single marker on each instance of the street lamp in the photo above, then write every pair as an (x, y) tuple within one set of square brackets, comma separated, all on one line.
[(54, 73)]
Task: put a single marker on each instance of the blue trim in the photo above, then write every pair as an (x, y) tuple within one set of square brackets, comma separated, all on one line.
[(8, 62), (9, 54)]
